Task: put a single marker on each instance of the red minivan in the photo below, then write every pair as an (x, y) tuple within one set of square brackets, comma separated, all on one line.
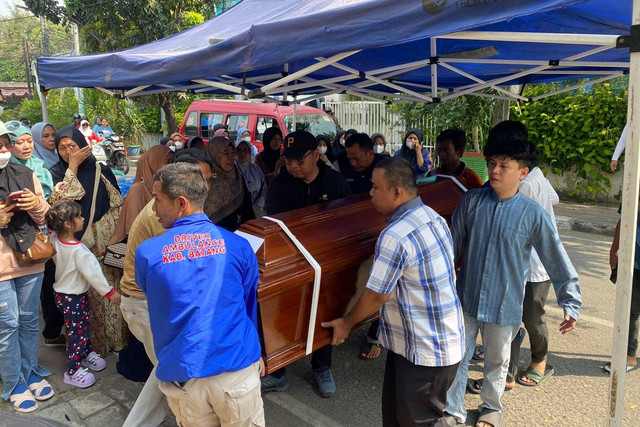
[(256, 116)]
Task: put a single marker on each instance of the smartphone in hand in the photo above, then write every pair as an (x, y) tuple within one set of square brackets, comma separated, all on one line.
[(14, 198)]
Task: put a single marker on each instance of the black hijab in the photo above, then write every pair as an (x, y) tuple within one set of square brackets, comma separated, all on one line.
[(86, 176), (21, 231), (269, 156), (407, 153), (336, 148)]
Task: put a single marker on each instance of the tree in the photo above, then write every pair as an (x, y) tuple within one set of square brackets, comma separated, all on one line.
[(21, 41), (126, 23)]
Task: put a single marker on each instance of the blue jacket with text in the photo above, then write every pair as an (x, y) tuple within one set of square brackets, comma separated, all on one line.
[(201, 286)]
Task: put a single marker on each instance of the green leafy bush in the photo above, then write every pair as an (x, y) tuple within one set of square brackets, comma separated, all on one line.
[(577, 131)]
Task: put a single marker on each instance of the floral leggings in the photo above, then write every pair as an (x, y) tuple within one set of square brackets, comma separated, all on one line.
[(75, 309)]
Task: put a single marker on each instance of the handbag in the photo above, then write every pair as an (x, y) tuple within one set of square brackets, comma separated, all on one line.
[(41, 251), (114, 255)]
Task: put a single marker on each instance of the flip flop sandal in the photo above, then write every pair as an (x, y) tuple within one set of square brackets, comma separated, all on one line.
[(366, 348), (607, 368), (20, 398), (490, 417), (475, 387), (478, 354), (535, 376), (39, 390)]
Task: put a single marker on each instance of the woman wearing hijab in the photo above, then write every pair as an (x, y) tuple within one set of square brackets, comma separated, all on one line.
[(270, 159), (412, 151), (228, 203), (195, 142), (44, 143), (44, 148), (337, 146), (88, 133), (22, 382), (379, 144), (22, 154), (323, 149), (77, 176), (253, 177), (245, 135), (140, 192)]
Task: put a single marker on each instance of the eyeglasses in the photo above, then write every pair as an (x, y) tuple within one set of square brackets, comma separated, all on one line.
[(8, 144), (298, 162), (229, 153), (85, 125)]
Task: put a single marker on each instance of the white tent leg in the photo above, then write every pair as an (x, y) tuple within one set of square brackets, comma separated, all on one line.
[(45, 108), (627, 240)]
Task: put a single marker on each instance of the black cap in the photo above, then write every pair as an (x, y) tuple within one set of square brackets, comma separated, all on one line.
[(77, 116), (297, 143)]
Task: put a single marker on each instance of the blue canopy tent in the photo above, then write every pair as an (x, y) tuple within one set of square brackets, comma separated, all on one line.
[(385, 47), (429, 51)]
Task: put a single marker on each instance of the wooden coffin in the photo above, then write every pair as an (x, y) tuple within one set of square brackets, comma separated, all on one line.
[(341, 236)]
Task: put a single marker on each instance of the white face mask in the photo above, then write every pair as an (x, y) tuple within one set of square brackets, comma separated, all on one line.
[(178, 145), (343, 142), (247, 139), (172, 148), (4, 159), (378, 149), (322, 150), (409, 144)]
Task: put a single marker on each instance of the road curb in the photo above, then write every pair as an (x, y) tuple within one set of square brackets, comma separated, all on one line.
[(604, 228)]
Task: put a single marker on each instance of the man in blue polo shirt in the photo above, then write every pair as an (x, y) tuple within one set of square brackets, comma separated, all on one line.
[(200, 282), (412, 283)]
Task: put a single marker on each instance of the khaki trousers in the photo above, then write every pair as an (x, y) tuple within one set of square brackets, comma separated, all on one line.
[(228, 399)]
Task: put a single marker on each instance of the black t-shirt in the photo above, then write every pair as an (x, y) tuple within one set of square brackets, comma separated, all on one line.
[(286, 193)]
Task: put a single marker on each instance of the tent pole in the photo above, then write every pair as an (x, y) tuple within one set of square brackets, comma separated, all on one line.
[(295, 111), (434, 69), (628, 226), (574, 87)]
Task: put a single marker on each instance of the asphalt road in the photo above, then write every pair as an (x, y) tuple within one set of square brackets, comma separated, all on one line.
[(576, 395)]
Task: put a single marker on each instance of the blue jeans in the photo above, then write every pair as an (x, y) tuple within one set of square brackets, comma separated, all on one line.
[(497, 349), (19, 330)]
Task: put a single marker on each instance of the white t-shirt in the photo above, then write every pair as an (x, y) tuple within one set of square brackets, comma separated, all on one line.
[(77, 269), (536, 187)]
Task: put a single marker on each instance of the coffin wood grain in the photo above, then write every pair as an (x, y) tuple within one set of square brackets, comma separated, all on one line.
[(341, 236)]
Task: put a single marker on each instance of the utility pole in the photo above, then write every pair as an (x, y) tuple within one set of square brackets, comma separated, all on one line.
[(45, 36), (76, 51)]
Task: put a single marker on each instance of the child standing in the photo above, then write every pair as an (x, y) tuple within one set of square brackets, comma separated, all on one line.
[(76, 270), (498, 226)]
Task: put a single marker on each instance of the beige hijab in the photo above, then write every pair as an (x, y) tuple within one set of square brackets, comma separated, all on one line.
[(140, 192), (226, 190)]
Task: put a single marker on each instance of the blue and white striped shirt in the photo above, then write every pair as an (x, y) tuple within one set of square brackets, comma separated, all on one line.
[(422, 320), (499, 236)]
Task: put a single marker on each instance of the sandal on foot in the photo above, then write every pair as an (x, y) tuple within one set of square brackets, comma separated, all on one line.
[(94, 362), (490, 417), (475, 387), (607, 368), (81, 378), (366, 349), (535, 376), (478, 354), (17, 400), (41, 390)]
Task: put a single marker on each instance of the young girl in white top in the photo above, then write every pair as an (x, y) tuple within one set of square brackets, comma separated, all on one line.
[(76, 270)]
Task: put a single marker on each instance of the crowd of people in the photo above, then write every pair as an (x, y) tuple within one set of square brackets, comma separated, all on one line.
[(435, 285)]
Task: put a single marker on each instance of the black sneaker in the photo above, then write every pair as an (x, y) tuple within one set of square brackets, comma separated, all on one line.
[(270, 383), (58, 341)]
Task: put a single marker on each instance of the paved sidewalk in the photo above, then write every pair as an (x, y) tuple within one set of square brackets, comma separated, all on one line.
[(588, 218)]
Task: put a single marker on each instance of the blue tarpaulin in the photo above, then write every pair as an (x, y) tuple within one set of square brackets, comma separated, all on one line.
[(256, 41)]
